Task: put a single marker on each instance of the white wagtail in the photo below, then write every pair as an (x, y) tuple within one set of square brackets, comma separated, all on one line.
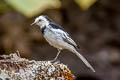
[(57, 37)]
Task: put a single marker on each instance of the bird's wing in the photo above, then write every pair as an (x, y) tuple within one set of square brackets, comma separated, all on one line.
[(66, 37)]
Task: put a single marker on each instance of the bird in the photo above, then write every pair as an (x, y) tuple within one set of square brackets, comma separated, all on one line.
[(57, 37)]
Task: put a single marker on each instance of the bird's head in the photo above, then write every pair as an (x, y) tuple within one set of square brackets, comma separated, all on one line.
[(42, 20)]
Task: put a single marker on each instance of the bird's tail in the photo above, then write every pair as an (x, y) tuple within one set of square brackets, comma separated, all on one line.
[(84, 60)]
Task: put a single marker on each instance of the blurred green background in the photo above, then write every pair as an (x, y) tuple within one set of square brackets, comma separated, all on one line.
[(93, 24)]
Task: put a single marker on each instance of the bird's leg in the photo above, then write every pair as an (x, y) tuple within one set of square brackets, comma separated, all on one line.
[(57, 55)]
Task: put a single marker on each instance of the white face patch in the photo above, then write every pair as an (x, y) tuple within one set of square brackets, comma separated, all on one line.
[(41, 20)]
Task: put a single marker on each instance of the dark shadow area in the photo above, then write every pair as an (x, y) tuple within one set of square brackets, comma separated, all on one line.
[(86, 78)]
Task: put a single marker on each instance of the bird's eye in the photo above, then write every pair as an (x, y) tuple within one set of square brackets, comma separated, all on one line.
[(40, 20)]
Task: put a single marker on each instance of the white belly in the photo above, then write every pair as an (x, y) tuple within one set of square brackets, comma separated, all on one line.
[(55, 40)]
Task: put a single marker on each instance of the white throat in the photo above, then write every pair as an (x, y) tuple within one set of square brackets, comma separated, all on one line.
[(44, 24)]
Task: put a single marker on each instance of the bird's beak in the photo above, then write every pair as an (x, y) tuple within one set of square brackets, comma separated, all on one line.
[(33, 23)]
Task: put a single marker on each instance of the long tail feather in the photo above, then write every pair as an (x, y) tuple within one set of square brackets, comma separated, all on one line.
[(84, 60)]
